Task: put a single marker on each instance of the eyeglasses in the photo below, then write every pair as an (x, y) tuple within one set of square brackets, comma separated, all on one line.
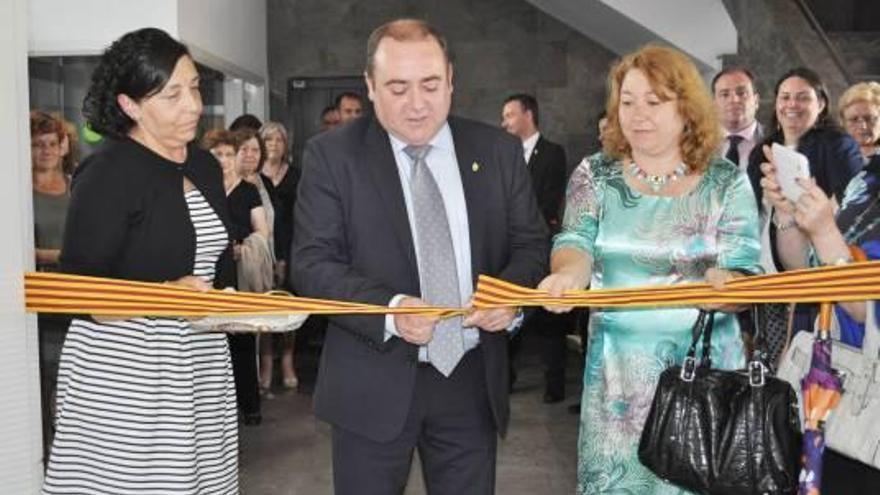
[(868, 120), (42, 145)]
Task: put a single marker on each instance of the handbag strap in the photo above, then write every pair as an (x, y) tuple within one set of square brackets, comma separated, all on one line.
[(700, 328), (709, 326), (759, 338)]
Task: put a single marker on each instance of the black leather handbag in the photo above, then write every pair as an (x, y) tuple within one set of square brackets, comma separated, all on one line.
[(722, 432)]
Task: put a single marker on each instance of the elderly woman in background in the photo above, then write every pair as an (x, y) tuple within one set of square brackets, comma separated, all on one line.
[(249, 162), (246, 212), (146, 404), (657, 206), (818, 232), (281, 178), (250, 235), (51, 184), (859, 112)]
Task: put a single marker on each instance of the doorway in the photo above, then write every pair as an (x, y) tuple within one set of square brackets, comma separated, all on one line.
[(307, 97)]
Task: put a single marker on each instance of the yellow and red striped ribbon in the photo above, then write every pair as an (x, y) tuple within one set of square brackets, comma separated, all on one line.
[(77, 294), (853, 282)]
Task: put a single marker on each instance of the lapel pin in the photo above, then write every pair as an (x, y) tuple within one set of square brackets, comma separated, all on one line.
[(475, 167)]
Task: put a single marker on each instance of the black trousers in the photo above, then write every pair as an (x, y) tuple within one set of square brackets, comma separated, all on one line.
[(243, 351), (451, 425), (551, 329)]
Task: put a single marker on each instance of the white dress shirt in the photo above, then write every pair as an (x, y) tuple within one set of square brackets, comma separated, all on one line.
[(529, 145), (443, 164), (750, 140)]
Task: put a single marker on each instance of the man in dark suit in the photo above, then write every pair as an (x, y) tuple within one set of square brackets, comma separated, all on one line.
[(737, 100), (547, 166), (406, 209)]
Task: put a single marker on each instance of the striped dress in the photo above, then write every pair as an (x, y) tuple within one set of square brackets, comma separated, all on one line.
[(147, 405)]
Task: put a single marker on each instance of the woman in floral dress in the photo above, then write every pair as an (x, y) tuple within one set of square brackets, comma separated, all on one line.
[(656, 207)]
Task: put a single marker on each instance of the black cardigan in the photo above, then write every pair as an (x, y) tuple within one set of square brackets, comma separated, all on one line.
[(834, 159), (128, 218)]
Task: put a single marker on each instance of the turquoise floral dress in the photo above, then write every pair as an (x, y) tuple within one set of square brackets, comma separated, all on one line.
[(637, 239)]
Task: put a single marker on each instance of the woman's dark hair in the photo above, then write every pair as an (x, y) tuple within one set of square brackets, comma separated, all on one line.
[(138, 65), (245, 121), (812, 78)]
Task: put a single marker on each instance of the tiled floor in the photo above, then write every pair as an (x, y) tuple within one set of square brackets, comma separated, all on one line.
[(289, 453)]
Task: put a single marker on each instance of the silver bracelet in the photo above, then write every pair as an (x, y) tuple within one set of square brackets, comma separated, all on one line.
[(783, 226)]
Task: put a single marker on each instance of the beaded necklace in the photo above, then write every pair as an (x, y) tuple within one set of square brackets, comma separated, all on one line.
[(656, 182)]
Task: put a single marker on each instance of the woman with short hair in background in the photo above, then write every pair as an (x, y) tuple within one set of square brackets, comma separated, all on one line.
[(859, 113), (280, 177), (249, 201), (51, 188)]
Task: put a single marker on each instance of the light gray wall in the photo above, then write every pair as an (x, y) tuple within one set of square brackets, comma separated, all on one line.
[(21, 452), (500, 47)]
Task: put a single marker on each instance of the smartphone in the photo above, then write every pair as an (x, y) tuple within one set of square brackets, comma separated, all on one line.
[(790, 165)]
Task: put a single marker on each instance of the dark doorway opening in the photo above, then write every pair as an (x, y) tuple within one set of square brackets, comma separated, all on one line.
[(307, 97)]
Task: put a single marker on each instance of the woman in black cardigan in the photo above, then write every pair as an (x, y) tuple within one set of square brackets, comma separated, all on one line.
[(802, 120), (146, 404)]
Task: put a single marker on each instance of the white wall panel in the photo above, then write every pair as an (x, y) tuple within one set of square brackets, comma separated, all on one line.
[(84, 27), (21, 467)]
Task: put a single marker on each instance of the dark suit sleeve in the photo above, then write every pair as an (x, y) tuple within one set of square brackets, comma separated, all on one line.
[(554, 187), (320, 264), (526, 230)]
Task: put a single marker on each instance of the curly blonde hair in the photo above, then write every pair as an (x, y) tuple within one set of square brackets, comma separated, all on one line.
[(863, 92), (672, 75)]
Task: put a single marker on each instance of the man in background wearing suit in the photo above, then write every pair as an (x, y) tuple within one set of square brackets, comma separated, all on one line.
[(547, 167), (406, 208), (737, 102)]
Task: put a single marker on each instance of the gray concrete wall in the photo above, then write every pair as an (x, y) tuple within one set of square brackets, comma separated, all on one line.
[(773, 37), (500, 47)]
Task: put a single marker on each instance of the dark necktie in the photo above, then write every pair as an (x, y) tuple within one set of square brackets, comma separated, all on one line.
[(437, 269), (733, 149)]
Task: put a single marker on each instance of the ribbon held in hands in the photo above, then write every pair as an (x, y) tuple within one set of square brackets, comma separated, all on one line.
[(77, 294), (853, 282)]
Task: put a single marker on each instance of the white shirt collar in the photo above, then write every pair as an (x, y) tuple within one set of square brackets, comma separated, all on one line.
[(530, 142), (441, 140), (747, 132)]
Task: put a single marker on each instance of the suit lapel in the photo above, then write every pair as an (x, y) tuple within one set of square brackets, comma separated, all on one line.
[(386, 179), (470, 163), (533, 158)]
